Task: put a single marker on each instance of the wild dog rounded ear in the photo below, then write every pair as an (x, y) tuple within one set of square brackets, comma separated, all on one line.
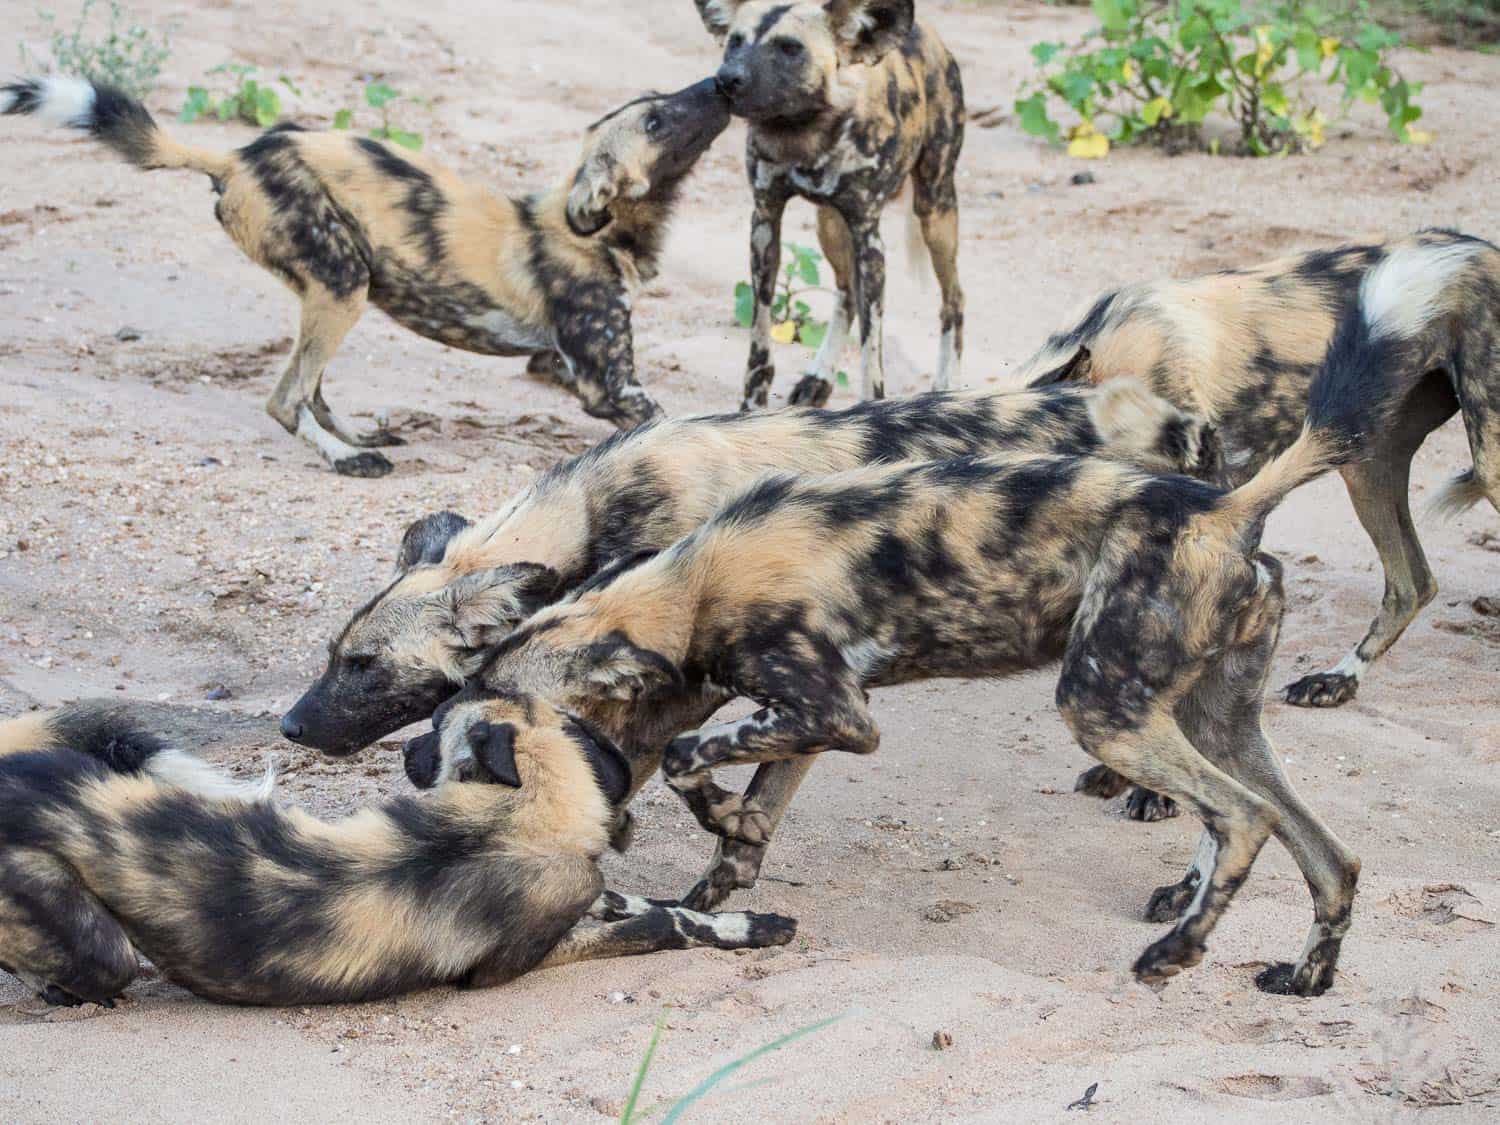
[(867, 30), (594, 189), (494, 746), (621, 670), (426, 541), (485, 606), (718, 15)]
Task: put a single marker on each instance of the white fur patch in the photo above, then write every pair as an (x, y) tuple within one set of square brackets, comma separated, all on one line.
[(182, 770), (1352, 665), (66, 101), (1401, 294), (730, 926)]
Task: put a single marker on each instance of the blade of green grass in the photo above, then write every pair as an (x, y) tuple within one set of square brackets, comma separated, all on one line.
[(702, 1089), (627, 1115)]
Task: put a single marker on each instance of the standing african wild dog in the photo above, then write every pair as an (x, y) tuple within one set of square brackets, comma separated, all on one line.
[(344, 220), (802, 593), (461, 588), (846, 100), (1241, 347), (109, 849)]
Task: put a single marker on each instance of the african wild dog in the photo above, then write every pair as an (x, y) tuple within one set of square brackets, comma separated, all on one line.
[(345, 220), (803, 593), (461, 588), (104, 858), (847, 100), (1241, 348)]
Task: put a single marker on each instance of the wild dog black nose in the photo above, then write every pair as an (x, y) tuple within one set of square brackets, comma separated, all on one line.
[(731, 81), (422, 758), (291, 729)]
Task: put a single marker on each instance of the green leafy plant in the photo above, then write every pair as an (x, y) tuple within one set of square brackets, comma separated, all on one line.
[(129, 55), (631, 1116), (379, 96), (1154, 70), (252, 101)]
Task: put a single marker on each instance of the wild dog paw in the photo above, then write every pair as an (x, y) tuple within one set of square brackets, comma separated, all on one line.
[(735, 868), (1286, 979), (1164, 959), (1100, 781), (1168, 903), (811, 391), (1144, 805), (1322, 689), (768, 929), (365, 464), (738, 818)]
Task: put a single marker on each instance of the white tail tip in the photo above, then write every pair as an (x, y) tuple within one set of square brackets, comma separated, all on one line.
[(184, 771)]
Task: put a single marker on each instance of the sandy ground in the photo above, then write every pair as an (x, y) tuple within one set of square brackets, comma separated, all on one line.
[(161, 538)]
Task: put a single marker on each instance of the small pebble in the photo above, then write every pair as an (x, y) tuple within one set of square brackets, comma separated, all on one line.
[(941, 1040)]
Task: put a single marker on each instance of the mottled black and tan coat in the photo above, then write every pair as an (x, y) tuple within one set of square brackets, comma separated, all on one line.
[(346, 221), (112, 849), (803, 593), (1241, 347), (847, 102), (461, 588)]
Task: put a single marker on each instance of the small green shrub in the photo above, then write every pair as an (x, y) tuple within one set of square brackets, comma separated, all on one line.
[(129, 55), (252, 101), (379, 96), (792, 317), (1153, 70)]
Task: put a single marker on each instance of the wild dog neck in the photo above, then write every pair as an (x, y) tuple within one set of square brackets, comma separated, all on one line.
[(634, 234), (806, 142)]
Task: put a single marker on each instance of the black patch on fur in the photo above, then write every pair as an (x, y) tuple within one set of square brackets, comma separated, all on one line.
[(425, 204)]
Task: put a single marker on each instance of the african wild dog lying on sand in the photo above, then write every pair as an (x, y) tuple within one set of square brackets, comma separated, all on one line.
[(345, 221), (461, 588), (803, 593), (847, 100), (110, 851), (1241, 348)]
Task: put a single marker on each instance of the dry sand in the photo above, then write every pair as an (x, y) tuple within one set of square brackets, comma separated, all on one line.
[(176, 540)]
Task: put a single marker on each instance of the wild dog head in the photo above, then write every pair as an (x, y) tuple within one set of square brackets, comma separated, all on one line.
[(411, 647), (478, 735), (642, 151), (782, 61)]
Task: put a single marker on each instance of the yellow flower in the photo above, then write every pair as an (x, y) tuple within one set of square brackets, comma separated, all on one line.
[(1309, 126), (785, 332), (1127, 72), (1157, 109), (1086, 143), (1264, 51), (1418, 136), (1329, 46)]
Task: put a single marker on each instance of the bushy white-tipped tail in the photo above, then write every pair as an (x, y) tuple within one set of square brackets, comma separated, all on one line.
[(60, 100), (918, 259), (1403, 293), (1456, 497), (183, 770)]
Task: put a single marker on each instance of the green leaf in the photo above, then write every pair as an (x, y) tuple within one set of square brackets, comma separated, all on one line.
[(412, 141), (196, 106), (229, 108), (1076, 88), (1032, 113), (812, 332), (343, 119), (842, 378), (377, 94), (1043, 53), (1112, 13), (698, 1092), (744, 304), (807, 267), (267, 107), (627, 1115)]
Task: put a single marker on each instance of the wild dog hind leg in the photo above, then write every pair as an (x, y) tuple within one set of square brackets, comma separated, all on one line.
[(623, 926), (736, 864)]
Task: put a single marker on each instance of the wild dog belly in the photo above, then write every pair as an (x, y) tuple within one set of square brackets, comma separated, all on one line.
[(457, 313)]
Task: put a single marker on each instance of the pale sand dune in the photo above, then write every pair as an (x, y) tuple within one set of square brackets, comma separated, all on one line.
[(149, 569)]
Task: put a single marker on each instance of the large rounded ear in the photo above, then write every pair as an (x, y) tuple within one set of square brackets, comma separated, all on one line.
[(718, 15), (867, 30), (617, 669), (494, 747), (594, 189), (485, 606), (426, 541)]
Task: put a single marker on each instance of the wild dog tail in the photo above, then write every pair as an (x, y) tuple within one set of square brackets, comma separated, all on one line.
[(918, 258), (111, 117), (113, 734), (1377, 355), (1457, 496)]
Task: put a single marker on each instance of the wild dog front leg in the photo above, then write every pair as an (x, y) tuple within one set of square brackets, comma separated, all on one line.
[(816, 386), (623, 925), (736, 864), (869, 294), (765, 262), (774, 733), (595, 340)]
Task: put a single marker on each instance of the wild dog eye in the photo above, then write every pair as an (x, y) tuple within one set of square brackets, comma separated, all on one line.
[(360, 661), (653, 125), (791, 48), (736, 41)]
